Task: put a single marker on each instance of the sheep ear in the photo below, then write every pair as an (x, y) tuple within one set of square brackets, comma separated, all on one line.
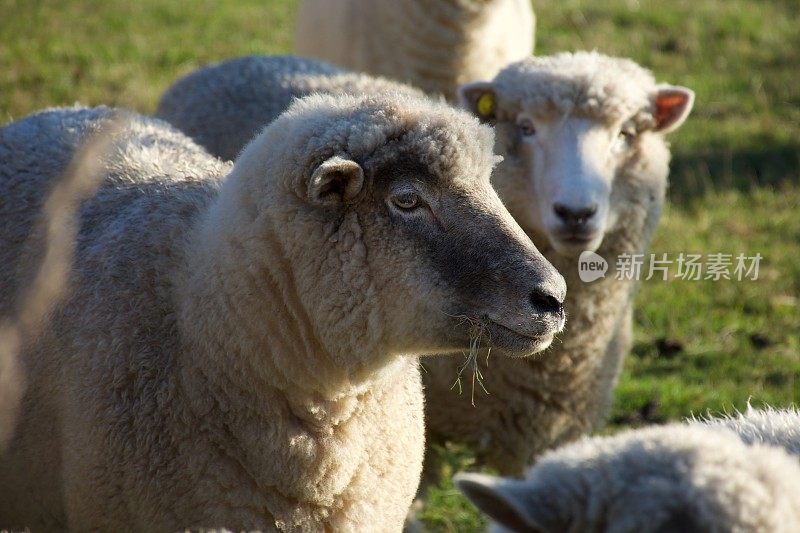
[(336, 181), (672, 105), (478, 98), (504, 501)]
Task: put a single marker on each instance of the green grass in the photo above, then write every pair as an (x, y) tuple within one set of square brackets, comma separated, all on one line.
[(731, 340), (735, 185), (57, 52)]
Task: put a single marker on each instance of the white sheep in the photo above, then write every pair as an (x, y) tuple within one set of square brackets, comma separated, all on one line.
[(437, 45), (223, 106), (239, 345), (585, 168), (735, 474)]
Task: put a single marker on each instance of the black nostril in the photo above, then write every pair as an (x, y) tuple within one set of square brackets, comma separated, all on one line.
[(561, 210), (546, 302), (574, 216)]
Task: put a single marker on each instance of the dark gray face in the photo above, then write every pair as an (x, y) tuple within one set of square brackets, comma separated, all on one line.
[(462, 259)]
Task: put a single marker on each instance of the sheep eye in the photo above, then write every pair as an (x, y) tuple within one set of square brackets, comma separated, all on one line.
[(624, 140), (526, 127), (406, 200)]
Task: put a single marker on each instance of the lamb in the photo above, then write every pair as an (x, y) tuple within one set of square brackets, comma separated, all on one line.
[(222, 107), (731, 474), (437, 45), (584, 168), (239, 346)]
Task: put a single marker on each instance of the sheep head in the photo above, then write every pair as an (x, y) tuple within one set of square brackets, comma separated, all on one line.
[(573, 128), (385, 212)]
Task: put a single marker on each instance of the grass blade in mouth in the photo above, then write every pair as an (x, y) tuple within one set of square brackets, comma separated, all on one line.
[(472, 360)]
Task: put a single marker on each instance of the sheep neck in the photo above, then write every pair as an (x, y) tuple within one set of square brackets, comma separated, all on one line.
[(251, 326), (272, 399)]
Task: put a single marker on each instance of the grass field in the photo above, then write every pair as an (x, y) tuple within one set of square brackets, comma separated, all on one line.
[(699, 345)]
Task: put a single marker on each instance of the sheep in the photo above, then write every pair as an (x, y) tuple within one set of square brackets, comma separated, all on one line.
[(239, 347), (717, 475), (223, 106), (584, 168), (436, 45)]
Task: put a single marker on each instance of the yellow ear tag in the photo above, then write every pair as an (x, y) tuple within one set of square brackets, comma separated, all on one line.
[(486, 105)]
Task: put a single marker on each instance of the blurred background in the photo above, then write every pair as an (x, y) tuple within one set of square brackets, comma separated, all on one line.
[(735, 185)]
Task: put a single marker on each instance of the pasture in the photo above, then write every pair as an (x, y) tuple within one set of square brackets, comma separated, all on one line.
[(701, 345)]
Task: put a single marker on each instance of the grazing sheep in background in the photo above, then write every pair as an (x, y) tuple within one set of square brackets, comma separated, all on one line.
[(675, 478), (437, 45), (585, 168), (222, 107), (239, 346)]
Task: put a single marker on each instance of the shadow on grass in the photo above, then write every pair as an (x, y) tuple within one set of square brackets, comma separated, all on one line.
[(695, 174)]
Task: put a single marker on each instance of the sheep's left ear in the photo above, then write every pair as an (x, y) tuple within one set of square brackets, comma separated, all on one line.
[(672, 105), (504, 501), (478, 98), (335, 181)]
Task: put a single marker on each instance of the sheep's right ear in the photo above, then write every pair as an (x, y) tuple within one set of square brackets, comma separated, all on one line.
[(335, 181), (478, 98), (672, 105), (504, 501)]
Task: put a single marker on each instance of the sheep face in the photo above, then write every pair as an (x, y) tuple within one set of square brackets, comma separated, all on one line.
[(574, 143), (465, 265), (393, 229)]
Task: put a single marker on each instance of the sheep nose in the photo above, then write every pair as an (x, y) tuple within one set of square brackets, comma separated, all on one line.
[(574, 217), (548, 298)]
